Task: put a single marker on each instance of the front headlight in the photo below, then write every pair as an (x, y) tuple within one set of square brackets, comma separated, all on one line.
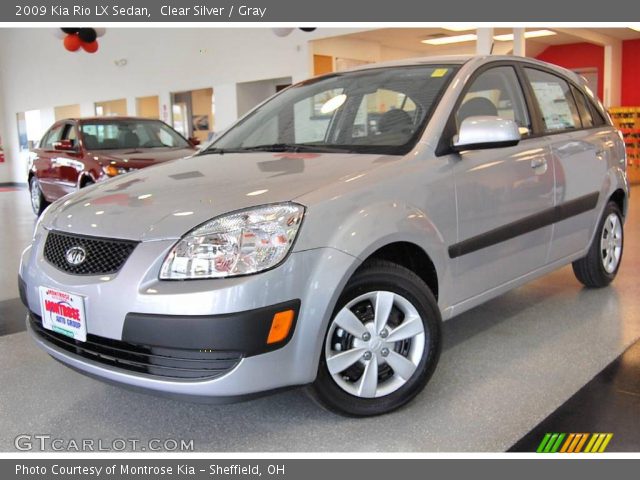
[(239, 243)]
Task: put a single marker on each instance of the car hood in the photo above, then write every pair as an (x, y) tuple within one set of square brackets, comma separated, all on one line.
[(141, 157), (168, 200)]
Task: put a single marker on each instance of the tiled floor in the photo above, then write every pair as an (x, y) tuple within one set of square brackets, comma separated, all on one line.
[(16, 227), (506, 366)]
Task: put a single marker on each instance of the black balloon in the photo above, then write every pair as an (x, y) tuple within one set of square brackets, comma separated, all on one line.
[(307, 29), (70, 31), (87, 35)]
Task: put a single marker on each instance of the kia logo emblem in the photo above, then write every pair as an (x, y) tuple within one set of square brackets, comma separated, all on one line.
[(75, 255)]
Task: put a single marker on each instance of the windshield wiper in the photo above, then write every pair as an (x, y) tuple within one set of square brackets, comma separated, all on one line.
[(295, 148), (221, 151), (280, 147)]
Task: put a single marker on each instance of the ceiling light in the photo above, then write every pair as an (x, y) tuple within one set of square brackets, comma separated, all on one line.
[(458, 28), (469, 37), (531, 34)]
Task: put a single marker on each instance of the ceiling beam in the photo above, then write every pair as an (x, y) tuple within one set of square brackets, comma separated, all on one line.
[(589, 35)]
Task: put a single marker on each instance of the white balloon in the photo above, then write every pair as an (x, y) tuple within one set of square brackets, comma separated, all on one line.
[(100, 31), (282, 32), (58, 33)]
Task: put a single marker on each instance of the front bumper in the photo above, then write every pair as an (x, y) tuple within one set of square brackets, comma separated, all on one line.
[(133, 306)]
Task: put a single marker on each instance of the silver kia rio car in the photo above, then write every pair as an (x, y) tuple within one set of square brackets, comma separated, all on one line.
[(324, 237)]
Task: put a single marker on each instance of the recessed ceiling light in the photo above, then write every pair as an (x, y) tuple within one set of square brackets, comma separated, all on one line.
[(469, 37), (458, 28), (531, 34)]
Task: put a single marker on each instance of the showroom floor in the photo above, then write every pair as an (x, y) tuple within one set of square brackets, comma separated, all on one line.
[(506, 367)]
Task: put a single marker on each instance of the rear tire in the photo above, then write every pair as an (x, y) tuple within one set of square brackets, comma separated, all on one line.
[(600, 266), (382, 344), (38, 202)]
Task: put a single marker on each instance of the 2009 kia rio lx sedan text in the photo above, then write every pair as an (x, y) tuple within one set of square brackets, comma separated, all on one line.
[(325, 236)]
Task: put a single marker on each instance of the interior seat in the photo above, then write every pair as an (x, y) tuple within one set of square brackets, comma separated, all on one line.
[(476, 107)]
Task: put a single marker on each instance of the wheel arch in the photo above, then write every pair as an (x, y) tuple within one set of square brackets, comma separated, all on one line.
[(412, 257), (83, 178), (620, 198), (389, 230)]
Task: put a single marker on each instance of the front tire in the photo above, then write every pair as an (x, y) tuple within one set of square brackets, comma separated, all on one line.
[(382, 344), (38, 202), (600, 266)]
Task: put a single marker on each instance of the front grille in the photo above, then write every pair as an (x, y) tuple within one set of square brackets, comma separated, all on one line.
[(157, 361), (103, 256)]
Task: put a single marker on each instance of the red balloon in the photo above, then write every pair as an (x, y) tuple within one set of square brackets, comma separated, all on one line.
[(91, 47), (72, 42)]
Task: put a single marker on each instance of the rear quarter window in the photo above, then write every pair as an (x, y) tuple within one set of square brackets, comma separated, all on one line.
[(584, 110)]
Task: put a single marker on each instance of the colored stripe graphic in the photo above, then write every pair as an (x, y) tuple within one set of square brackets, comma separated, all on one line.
[(598, 442), (543, 443), (606, 442), (581, 443), (574, 443), (567, 443), (556, 446), (590, 444), (550, 443)]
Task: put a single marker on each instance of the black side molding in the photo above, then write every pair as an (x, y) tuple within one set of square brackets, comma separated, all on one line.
[(244, 332), (526, 225)]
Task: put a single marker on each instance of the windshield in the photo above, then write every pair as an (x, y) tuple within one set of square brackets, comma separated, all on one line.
[(381, 110), (122, 134)]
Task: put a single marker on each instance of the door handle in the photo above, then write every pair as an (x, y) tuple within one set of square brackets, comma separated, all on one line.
[(538, 163)]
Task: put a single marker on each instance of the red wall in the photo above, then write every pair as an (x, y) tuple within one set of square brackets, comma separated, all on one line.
[(577, 55), (630, 73)]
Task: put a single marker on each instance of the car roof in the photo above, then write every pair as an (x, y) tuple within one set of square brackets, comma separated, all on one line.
[(108, 119), (462, 59)]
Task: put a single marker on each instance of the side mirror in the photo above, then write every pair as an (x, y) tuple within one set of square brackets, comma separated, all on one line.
[(64, 146), (477, 133), (194, 141)]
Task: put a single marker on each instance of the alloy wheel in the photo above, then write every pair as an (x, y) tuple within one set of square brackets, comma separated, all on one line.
[(611, 243)]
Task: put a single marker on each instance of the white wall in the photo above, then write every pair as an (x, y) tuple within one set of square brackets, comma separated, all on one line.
[(251, 94), (36, 72), (357, 49)]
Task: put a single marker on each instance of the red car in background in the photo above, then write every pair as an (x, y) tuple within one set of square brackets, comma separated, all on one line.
[(75, 153)]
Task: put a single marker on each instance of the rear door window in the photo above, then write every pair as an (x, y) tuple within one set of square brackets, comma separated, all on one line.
[(557, 106)]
